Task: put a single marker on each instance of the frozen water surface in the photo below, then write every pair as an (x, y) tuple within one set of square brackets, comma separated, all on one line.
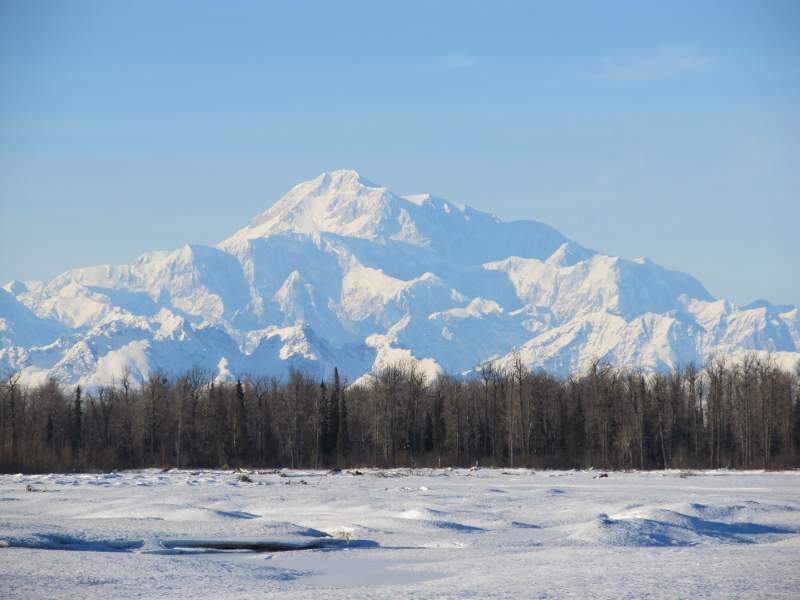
[(395, 533)]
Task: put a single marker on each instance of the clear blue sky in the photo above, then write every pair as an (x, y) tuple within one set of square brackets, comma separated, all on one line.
[(664, 129)]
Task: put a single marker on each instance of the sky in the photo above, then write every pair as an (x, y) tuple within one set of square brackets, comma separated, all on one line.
[(662, 129)]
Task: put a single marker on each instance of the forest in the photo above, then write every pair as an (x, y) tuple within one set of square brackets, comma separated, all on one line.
[(742, 415)]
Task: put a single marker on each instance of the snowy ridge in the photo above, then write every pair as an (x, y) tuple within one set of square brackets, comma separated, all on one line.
[(342, 272)]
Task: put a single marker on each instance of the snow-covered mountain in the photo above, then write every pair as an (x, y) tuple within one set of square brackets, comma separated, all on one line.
[(342, 272)]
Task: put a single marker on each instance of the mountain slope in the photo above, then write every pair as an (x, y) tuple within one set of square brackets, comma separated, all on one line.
[(342, 272)]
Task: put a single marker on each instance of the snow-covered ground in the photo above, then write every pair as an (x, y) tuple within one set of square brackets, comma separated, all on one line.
[(419, 533)]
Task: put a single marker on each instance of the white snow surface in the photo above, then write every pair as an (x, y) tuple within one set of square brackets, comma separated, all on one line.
[(484, 533), (342, 272)]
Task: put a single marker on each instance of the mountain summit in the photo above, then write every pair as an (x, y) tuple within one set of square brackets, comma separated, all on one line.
[(342, 272), (347, 205), (340, 202)]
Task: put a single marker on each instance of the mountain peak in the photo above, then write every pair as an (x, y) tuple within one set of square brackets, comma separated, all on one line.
[(341, 181), (15, 287), (351, 275), (347, 205), (341, 202), (344, 178)]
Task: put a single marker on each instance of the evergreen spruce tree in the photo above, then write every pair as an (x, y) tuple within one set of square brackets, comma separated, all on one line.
[(77, 424), (241, 424), (439, 424), (576, 442), (323, 418), (49, 431), (343, 435), (428, 436), (333, 414)]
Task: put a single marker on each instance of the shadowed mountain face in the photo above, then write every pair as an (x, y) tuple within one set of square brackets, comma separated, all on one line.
[(342, 272)]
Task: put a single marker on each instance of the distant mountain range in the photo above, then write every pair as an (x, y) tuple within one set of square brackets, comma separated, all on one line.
[(342, 272)]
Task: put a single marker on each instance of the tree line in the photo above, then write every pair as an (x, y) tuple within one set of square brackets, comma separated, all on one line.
[(733, 415)]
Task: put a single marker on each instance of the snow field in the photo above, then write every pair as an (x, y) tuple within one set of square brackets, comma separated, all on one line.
[(400, 533)]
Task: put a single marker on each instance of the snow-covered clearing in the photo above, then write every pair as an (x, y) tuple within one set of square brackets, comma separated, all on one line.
[(396, 533)]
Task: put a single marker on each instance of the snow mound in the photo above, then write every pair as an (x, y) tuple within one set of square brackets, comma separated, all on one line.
[(421, 514), (650, 526), (435, 519)]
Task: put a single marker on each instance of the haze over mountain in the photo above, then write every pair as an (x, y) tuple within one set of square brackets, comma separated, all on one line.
[(342, 272)]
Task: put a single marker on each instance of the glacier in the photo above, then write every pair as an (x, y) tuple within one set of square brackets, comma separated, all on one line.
[(341, 272)]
